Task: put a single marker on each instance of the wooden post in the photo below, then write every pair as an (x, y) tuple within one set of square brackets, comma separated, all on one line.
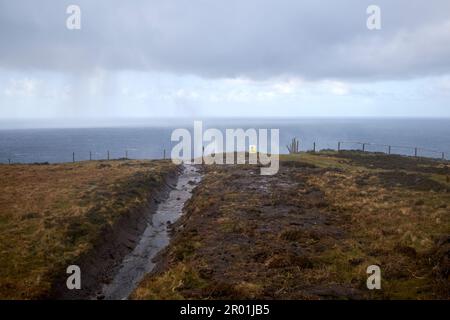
[(90, 155), (9, 160), (126, 154), (415, 152), (443, 156), (108, 154), (389, 150), (73, 156), (294, 147), (164, 154), (314, 147), (364, 147), (339, 146)]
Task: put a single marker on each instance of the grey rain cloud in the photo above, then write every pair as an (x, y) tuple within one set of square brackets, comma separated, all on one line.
[(248, 38)]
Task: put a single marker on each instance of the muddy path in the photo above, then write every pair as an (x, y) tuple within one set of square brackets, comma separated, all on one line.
[(308, 232), (248, 236), (155, 237)]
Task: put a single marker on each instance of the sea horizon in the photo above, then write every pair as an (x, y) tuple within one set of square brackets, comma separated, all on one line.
[(148, 138), (120, 122)]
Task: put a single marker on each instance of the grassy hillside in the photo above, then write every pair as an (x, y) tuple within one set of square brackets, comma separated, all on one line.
[(52, 214), (311, 231)]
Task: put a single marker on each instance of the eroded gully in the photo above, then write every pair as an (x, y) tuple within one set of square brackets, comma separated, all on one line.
[(155, 238)]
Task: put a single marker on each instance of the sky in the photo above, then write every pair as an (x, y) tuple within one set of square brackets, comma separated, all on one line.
[(233, 58)]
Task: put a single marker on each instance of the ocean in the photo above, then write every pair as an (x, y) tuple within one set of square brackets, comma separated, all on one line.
[(148, 139)]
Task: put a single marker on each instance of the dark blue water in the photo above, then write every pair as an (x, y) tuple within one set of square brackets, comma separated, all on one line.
[(148, 142)]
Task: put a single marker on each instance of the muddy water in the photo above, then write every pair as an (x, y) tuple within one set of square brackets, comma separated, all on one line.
[(155, 237)]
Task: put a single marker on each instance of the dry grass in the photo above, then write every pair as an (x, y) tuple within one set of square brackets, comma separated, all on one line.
[(311, 231), (51, 214), (394, 222)]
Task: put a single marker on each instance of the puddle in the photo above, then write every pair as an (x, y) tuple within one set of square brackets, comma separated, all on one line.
[(155, 238)]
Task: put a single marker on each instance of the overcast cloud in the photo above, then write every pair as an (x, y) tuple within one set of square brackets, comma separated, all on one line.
[(286, 47)]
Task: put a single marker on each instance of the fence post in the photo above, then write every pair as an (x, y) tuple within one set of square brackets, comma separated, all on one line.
[(73, 156), (443, 156), (314, 147), (9, 160), (164, 157), (108, 154), (389, 150), (90, 155), (364, 147), (415, 152), (339, 146), (126, 154)]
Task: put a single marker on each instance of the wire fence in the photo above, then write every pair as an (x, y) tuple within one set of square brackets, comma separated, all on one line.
[(127, 154), (133, 153), (390, 149)]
